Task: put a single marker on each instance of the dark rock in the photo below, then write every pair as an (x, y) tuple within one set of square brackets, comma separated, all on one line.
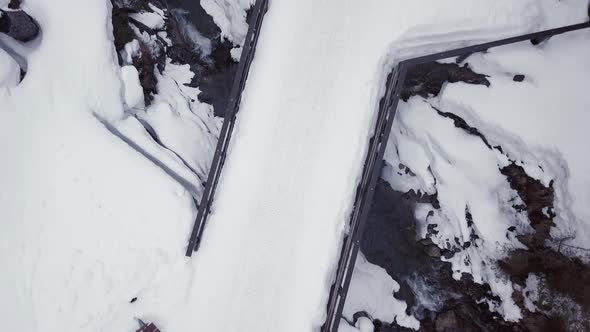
[(148, 61), (134, 5), (564, 275), (151, 57), (149, 328), (121, 30), (4, 22), (18, 25), (390, 241), (518, 78), (385, 327), (431, 228), (214, 72), (359, 315), (433, 251), (540, 322), (460, 123), (426, 80), (14, 4), (468, 215)]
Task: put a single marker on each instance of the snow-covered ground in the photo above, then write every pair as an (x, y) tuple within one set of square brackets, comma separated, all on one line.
[(534, 123), (94, 213), (230, 16), (281, 206)]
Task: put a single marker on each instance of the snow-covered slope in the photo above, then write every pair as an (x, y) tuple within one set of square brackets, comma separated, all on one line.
[(91, 215), (533, 124), (281, 206), (9, 70)]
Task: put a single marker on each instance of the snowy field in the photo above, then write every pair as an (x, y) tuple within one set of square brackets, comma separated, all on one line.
[(93, 213)]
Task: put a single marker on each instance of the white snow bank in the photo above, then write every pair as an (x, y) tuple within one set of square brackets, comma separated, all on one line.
[(132, 91), (230, 17), (9, 70), (372, 290)]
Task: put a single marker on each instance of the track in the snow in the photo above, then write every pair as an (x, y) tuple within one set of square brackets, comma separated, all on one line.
[(374, 161), (258, 12)]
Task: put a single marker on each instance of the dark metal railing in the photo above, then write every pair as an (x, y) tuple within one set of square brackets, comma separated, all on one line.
[(374, 161), (233, 105)]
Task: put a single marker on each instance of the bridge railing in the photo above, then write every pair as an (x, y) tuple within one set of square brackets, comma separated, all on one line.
[(233, 105)]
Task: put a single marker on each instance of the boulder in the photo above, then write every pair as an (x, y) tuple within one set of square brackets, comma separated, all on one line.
[(18, 25)]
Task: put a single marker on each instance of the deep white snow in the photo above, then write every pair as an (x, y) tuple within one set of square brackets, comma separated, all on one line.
[(93, 213), (372, 290), (281, 206), (86, 221)]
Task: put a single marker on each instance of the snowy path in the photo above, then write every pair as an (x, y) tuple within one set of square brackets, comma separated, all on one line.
[(272, 240)]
